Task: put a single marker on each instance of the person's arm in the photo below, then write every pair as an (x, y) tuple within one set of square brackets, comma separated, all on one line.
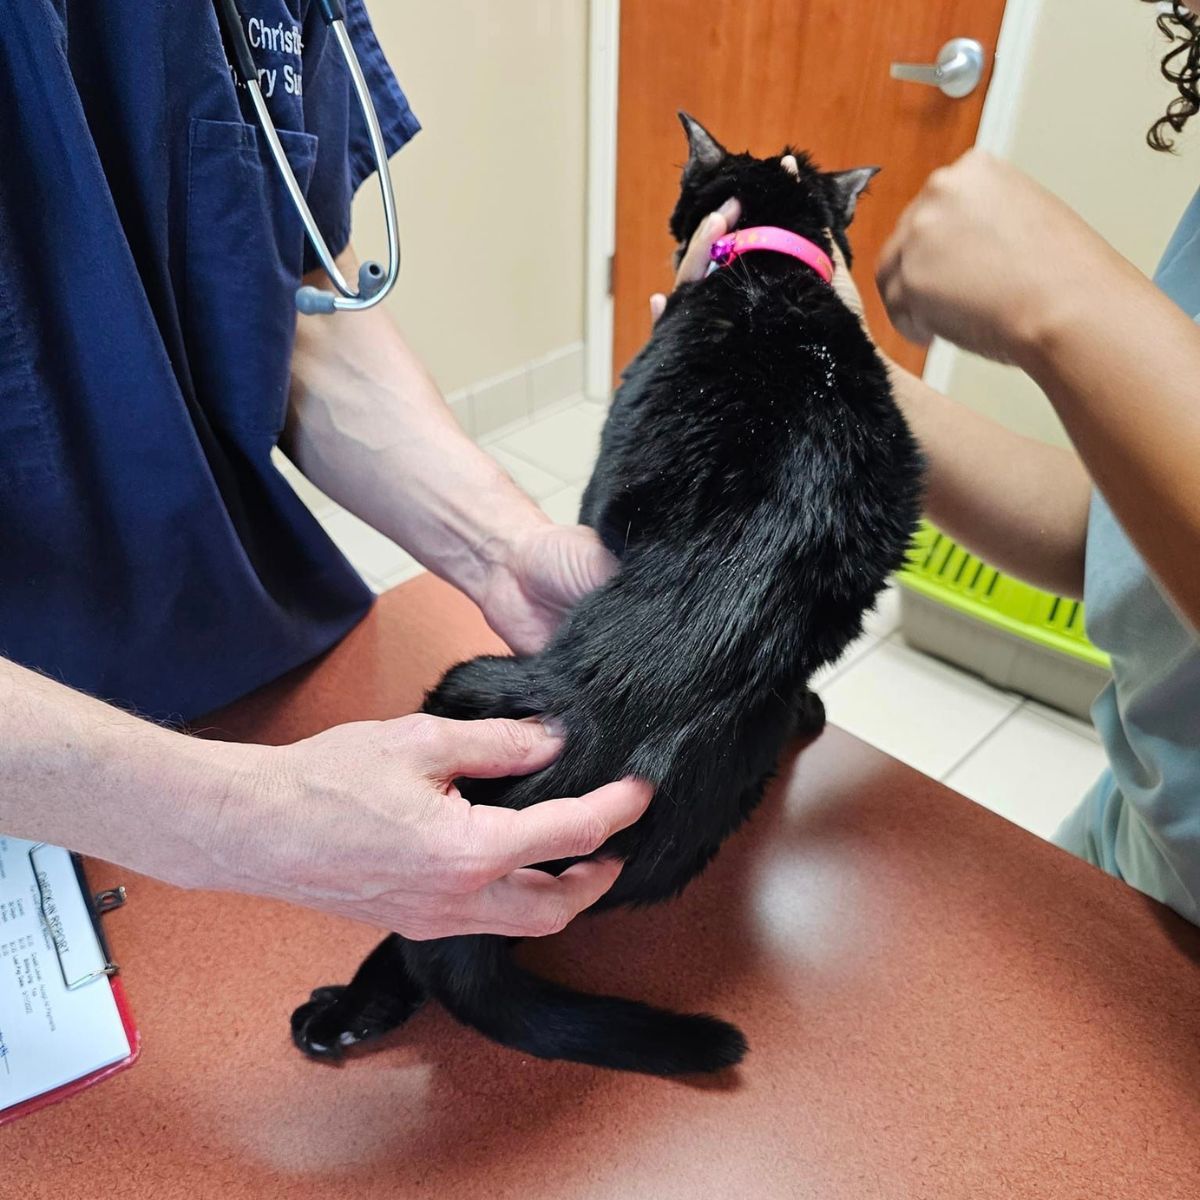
[(989, 260), (1121, 364), (368, 426), (362, 820), (1017, 503), (1014, 501)]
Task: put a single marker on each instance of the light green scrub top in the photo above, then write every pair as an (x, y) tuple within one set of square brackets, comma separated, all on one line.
[(1141, 820)]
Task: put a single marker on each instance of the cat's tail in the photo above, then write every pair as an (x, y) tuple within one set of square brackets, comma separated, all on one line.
[(479, 982)]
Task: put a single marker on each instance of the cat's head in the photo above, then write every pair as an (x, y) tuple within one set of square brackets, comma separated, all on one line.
[(816, 204)]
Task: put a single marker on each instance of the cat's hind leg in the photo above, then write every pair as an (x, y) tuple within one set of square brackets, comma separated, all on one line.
[(381, 996), (488, 686)]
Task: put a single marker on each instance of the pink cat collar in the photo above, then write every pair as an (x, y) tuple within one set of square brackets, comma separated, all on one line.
[(732, 246)]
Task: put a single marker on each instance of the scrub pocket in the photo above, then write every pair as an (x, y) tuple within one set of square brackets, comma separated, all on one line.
[(244, 256)]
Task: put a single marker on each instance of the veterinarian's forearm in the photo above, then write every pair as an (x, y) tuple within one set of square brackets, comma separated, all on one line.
[(1016, 502), (354, 821), (1121, 364), (369, 427), (79, 773)]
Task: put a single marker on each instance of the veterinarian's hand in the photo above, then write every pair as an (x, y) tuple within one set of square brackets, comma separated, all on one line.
[(989, 260), (538, 577), (364, 820), (694, 263)]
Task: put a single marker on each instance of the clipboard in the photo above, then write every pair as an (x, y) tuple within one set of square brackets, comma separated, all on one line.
[(97, 904)]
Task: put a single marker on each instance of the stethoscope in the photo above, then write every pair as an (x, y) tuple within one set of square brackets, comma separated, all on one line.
[(373, 281)]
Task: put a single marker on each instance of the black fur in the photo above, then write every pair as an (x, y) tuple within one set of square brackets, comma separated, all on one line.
[(758, 485)]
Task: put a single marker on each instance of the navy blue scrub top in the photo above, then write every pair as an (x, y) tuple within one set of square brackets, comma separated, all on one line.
[(150, 553)]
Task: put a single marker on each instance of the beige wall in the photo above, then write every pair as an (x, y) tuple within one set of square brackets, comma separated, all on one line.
[(1091, 91), (491, 192)]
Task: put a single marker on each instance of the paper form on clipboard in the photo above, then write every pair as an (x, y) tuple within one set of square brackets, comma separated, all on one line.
[(63, 1022)]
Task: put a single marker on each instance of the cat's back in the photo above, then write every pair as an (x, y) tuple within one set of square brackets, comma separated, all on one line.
[(760, 399)]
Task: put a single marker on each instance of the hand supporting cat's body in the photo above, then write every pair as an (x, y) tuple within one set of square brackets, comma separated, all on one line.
[(757, 484)]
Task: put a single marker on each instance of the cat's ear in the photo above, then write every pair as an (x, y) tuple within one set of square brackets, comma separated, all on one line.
[(847, 186), (703, 149)]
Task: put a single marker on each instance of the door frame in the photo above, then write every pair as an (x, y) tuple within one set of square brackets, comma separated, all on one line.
[(997, 123), (604, 43)]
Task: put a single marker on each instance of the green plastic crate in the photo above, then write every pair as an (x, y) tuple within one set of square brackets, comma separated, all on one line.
[(941, 570)]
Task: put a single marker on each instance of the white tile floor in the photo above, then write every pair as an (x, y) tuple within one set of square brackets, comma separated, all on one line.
[(1026, 762)]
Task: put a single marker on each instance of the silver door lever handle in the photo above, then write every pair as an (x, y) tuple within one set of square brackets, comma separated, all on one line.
[(957, 72)]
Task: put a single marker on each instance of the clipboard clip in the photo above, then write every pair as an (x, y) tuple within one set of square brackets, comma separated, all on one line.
[(110, 898), (100, 903)]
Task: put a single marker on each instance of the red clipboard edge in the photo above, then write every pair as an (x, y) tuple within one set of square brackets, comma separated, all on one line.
[(66, 1090)]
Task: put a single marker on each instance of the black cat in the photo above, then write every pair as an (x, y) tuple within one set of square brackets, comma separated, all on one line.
[(758, 484)]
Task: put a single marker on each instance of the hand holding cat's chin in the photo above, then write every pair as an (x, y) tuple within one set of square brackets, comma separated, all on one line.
[(694, 259), (536, 576)]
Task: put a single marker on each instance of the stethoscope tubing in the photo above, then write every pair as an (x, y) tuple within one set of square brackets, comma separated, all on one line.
[(374, 283)]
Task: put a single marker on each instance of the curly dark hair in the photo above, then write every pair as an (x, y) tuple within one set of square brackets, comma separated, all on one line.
[(1180, 66)]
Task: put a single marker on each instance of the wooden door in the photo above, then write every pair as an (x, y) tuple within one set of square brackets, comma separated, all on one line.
[(762, 73)]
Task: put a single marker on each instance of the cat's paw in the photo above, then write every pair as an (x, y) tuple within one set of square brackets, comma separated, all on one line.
[(810, 714), (318, 1027), (334, 1019)]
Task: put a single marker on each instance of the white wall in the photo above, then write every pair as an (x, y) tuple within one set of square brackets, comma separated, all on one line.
[(491, 192), (1091, 90)]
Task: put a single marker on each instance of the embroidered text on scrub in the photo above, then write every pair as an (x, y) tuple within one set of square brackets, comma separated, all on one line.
[(274, 37)]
